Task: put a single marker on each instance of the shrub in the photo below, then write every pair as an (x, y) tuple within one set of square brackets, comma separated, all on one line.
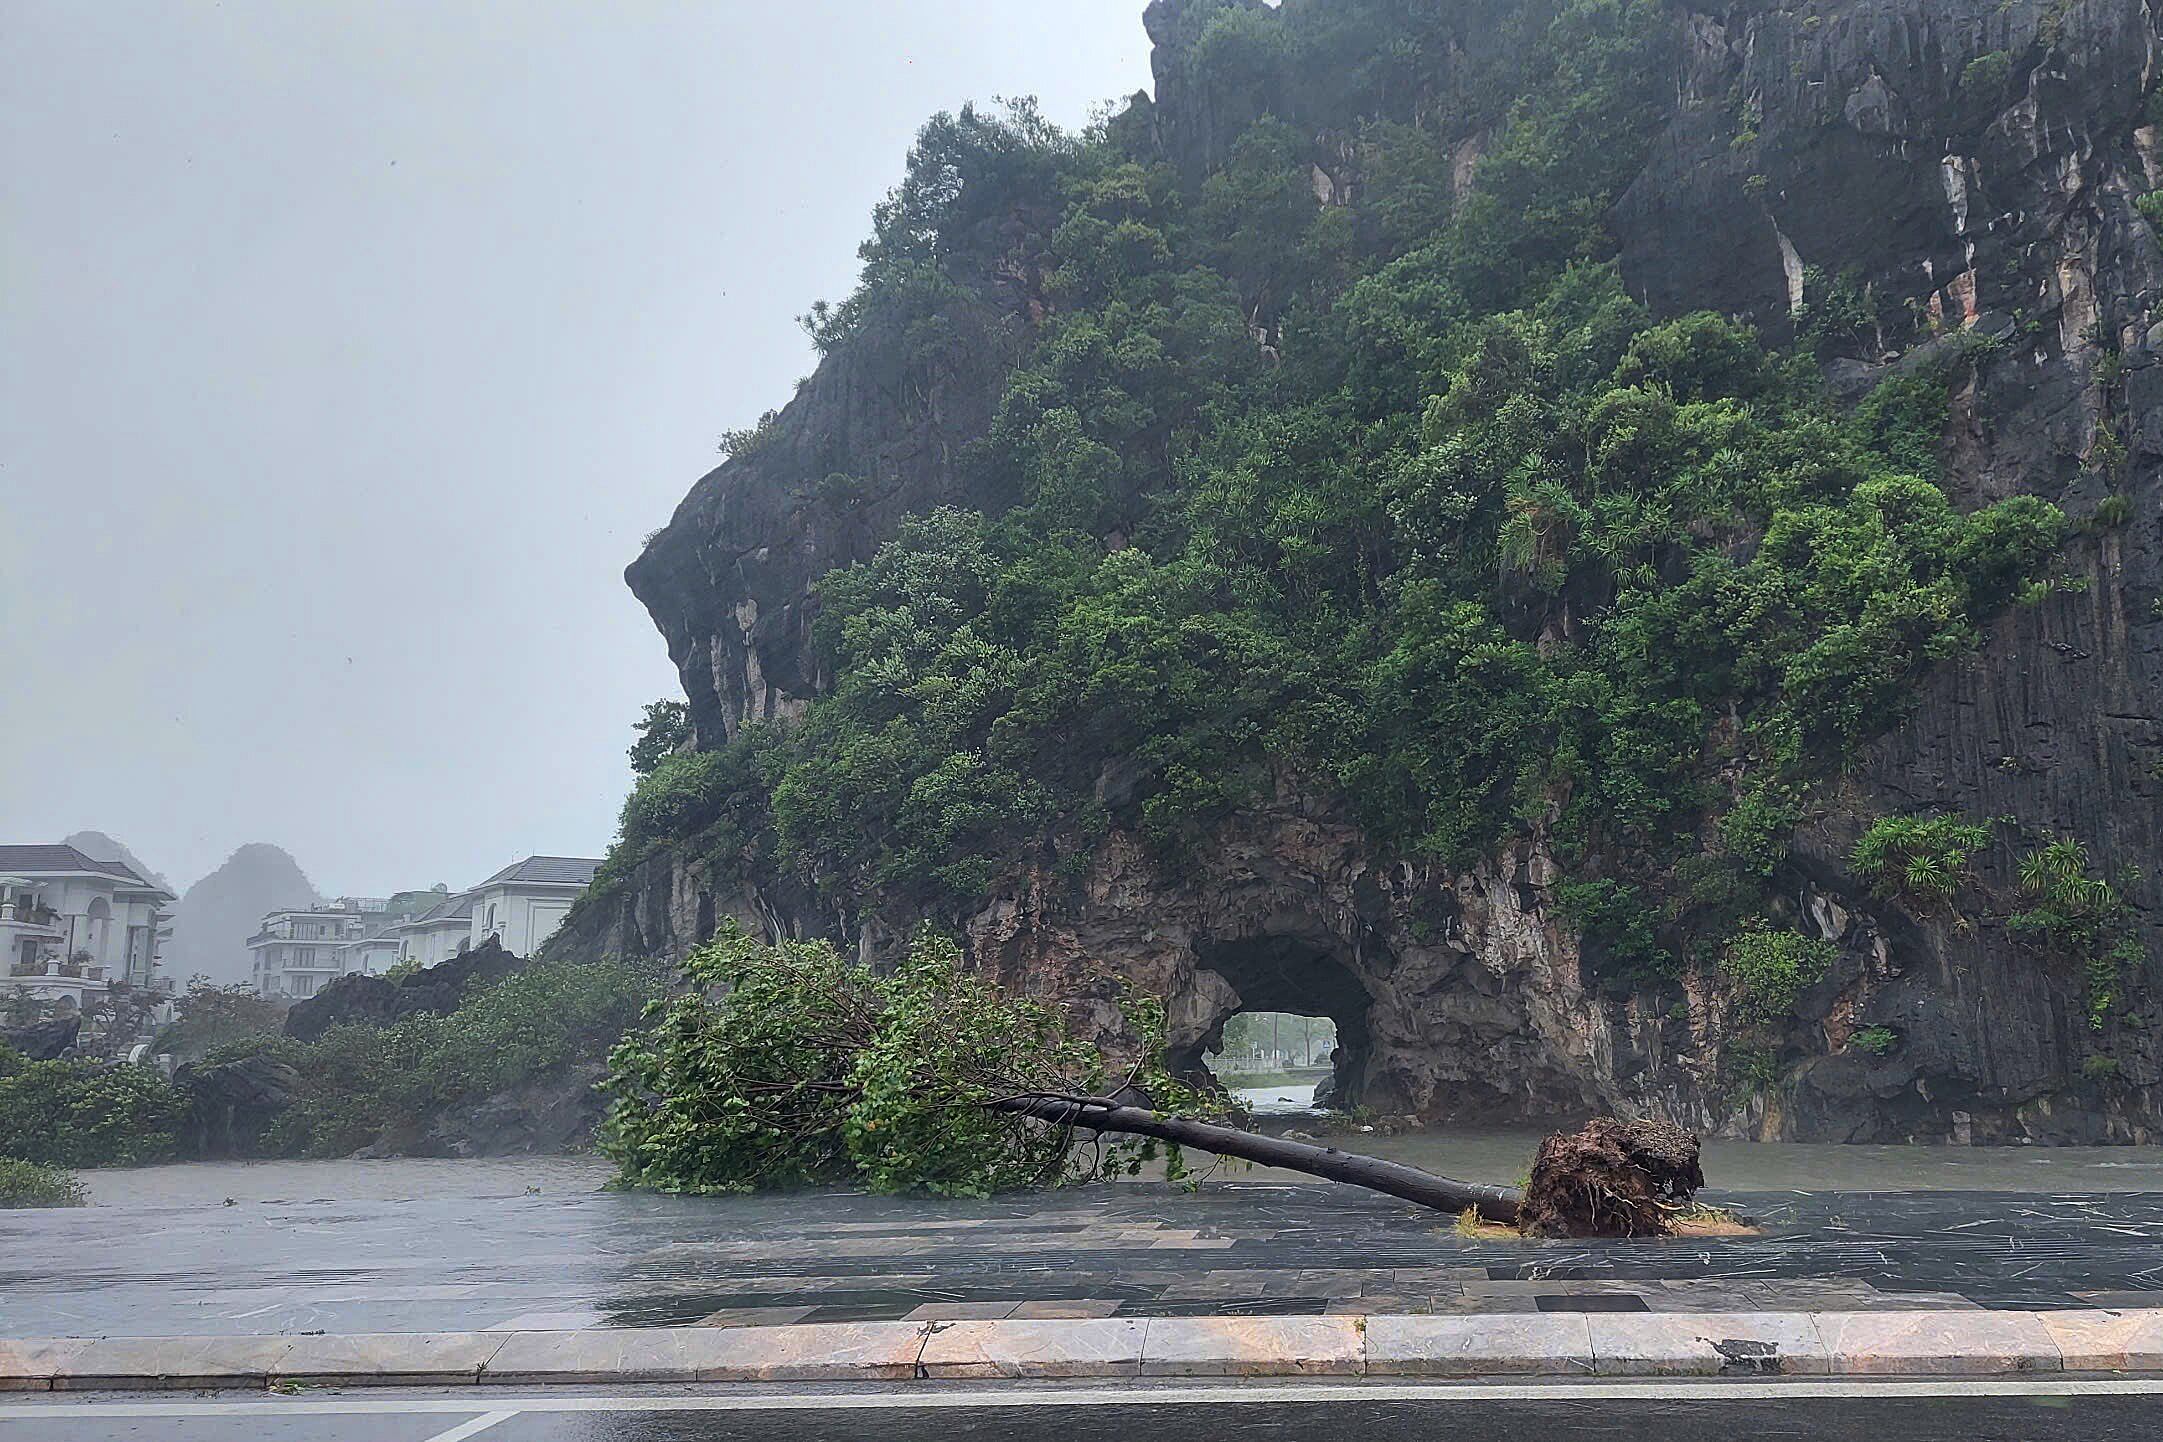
[(1770, 969), (2150, 207), (1986, 74), (209, 1017), (2081, 916), (1747, 1070), (2113, 511), (1615, 916), (2098, 1067), (87, 1114), (1922, 857), (1876, 1040), (26, 1184)]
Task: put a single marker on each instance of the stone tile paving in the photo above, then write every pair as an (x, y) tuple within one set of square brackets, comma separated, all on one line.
[(1254, 1250)]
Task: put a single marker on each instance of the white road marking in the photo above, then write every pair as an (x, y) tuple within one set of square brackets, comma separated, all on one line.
[(472, 1429), (935, 1396)]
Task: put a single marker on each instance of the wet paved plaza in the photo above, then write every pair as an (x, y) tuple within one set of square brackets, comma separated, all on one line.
[(571, 1257)]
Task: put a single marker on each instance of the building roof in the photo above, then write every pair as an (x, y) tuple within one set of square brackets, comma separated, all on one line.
[(548, 871), (31, 860), (454, 908)]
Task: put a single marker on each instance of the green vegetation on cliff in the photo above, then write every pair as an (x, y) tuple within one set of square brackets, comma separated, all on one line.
[(1387, 485)]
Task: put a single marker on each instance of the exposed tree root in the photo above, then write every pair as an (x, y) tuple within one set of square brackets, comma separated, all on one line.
[(1611, 1178)]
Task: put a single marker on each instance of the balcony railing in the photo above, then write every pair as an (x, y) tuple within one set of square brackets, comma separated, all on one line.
[(72, 970)]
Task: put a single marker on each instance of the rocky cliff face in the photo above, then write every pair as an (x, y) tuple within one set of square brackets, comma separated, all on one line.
[(1974, 164)]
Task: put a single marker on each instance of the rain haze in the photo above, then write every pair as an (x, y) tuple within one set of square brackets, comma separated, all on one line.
[(348, 351)]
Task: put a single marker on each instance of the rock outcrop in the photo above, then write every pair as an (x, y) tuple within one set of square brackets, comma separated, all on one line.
[(1972, 163), (362, 1000), (47, 1040)]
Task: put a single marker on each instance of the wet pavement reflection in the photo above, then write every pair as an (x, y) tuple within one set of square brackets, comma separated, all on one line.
[(575, 1257)]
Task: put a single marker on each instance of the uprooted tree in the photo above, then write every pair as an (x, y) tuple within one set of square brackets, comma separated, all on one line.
[(789, 1066)]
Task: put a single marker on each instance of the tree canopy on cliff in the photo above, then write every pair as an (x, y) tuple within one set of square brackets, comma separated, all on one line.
[(1377, 478)]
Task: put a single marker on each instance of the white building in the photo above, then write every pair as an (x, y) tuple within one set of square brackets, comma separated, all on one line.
[(437, 934), (72, 928), (522, 905), (296, 953), (526, 901)]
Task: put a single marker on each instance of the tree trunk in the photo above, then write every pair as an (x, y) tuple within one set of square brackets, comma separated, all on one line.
[(1496, 1204)]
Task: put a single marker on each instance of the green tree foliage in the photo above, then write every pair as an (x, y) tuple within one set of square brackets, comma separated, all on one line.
[(209, 1016), (1393, 488), (1770, 969), (789, 1066), (662, 730), (1925, 858), (1874, 1040), (86, 1114), (26, 1184)]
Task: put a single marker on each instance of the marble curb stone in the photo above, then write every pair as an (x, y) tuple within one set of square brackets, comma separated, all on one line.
[(1546, 1344), (395, 1358), (1253, 1346), (148, 1362), (1707, 1344), (1094, 1347), (27, 1363), (1978, 1343), (807, 1352), (625, 1354), (2113, 1341)]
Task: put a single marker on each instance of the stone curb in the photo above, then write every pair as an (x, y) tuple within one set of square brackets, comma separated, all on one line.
[(1549, 1344)]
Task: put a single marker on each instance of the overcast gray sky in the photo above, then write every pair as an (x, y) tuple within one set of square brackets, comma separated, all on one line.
[(349, 348)]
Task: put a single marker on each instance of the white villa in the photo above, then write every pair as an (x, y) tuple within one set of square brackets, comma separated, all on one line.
[(522, 905), (72, 928), (437, 934), (298, 952)]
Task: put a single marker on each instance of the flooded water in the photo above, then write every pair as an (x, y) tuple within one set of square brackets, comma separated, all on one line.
[(391, 1179), (1802, 1166), (1470, 1156), (1275, 1101)]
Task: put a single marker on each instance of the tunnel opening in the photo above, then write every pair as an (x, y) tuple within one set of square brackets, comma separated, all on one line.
[(1273, 1062), (1287, 1029)]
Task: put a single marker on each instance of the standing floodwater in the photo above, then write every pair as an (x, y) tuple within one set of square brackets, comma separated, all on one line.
[(536, 1244)]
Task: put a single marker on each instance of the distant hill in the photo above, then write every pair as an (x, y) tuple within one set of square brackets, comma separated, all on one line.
[(99, 847), (218, 914)]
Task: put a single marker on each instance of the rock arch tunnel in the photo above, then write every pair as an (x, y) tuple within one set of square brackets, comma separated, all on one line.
[(1280, 974)]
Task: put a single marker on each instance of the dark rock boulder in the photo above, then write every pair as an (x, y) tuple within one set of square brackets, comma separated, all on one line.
[(230, 1103), (44, 1040), (550, 1114), (382, 1000)]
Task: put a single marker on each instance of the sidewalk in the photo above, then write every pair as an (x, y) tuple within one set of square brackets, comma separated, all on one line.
[(1555, 1345), (448, 1264)]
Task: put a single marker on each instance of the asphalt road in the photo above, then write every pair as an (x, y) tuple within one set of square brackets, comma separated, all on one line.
[(1669, 1412)]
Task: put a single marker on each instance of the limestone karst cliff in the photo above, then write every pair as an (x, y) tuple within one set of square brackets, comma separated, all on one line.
[(1932, 207)]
